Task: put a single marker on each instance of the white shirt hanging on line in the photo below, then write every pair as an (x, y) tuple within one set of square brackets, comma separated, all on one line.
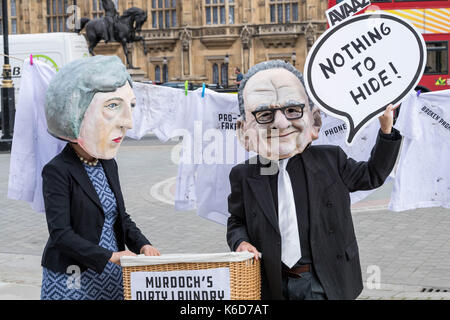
[(169, 113), (334, 132), (157, 109), (32, 147), (209, 149), (423, 175), (221, 152)]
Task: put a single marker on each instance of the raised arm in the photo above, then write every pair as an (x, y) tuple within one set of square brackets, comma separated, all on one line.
[(372, 174)]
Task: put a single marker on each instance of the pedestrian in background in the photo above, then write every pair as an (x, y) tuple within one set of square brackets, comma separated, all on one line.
[(239, 76)]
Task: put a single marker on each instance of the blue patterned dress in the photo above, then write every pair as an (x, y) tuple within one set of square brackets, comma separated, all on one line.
[(91, 285)]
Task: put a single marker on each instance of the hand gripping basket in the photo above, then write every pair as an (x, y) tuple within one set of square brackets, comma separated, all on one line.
[(244, 270)]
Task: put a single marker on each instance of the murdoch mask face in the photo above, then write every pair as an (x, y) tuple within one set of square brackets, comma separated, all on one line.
[(279, 122), (106, 121)]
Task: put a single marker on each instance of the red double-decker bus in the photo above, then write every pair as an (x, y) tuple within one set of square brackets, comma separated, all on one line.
[(432, 19)]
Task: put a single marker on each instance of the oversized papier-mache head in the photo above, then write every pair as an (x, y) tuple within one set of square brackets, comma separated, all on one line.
[(278, 119), (89, 102)]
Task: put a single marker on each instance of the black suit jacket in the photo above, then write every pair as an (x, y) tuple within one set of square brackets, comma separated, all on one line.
[(330, 176), (75, 216)]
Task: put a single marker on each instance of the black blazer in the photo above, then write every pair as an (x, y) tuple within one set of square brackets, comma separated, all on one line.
[(330, 176), (75, 216)]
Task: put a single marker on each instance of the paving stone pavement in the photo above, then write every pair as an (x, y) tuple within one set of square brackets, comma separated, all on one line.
[(403, 252)]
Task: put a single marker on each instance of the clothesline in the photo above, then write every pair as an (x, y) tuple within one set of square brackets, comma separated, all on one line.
[(421, 180), (5, 55)]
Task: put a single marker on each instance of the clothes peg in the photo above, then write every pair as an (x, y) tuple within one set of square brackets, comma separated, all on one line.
[(186, 84), (203, 90), (31, 59)]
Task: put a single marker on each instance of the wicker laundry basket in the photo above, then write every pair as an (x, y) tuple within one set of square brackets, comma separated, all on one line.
[(244, 270)]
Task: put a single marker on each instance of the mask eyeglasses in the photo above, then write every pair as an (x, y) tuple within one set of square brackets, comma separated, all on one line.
[(291, 112)]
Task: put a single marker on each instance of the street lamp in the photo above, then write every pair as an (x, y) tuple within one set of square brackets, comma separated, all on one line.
[(7, 89), (293, 58)]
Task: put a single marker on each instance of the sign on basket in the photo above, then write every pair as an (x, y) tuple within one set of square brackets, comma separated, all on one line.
[(209, 284)]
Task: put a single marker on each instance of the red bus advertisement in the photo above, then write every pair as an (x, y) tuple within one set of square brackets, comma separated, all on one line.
[(432, 19)]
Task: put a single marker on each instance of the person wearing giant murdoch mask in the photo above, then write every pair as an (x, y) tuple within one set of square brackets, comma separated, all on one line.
[(89, 103), (291, 203)]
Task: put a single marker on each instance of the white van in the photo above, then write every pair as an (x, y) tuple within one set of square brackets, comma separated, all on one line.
[(56, 49)]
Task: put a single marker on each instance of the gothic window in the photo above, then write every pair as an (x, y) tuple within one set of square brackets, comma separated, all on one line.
[(215, 73), (283, 11), (219, 11), (12, 6), (13, 17), (97, 9), (224, 74), (157, 74), (165, 73), (57, 15), (164, 13)]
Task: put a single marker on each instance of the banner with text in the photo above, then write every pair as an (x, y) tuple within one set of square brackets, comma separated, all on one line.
[(345, 9), (206, 284), (359, 67)]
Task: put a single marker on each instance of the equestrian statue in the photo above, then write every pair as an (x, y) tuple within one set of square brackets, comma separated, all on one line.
[(113, 27)]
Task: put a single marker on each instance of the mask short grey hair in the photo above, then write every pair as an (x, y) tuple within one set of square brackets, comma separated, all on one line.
[(72, 89), (272, 64)]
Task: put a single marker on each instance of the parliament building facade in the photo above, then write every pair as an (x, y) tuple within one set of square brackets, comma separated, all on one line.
[(195, 40)]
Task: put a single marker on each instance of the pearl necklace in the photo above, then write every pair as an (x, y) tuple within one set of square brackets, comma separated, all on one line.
[(89, 163)]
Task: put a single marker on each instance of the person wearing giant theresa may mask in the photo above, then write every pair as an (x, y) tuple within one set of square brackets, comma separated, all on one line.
[(89, 103)]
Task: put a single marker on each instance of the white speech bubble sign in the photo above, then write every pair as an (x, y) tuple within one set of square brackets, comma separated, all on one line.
[(356, 69)]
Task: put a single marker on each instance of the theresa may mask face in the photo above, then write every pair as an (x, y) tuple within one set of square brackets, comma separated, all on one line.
[(106, 121)]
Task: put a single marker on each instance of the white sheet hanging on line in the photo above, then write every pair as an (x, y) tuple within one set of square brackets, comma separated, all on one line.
[(423, 175), (32, 147)]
